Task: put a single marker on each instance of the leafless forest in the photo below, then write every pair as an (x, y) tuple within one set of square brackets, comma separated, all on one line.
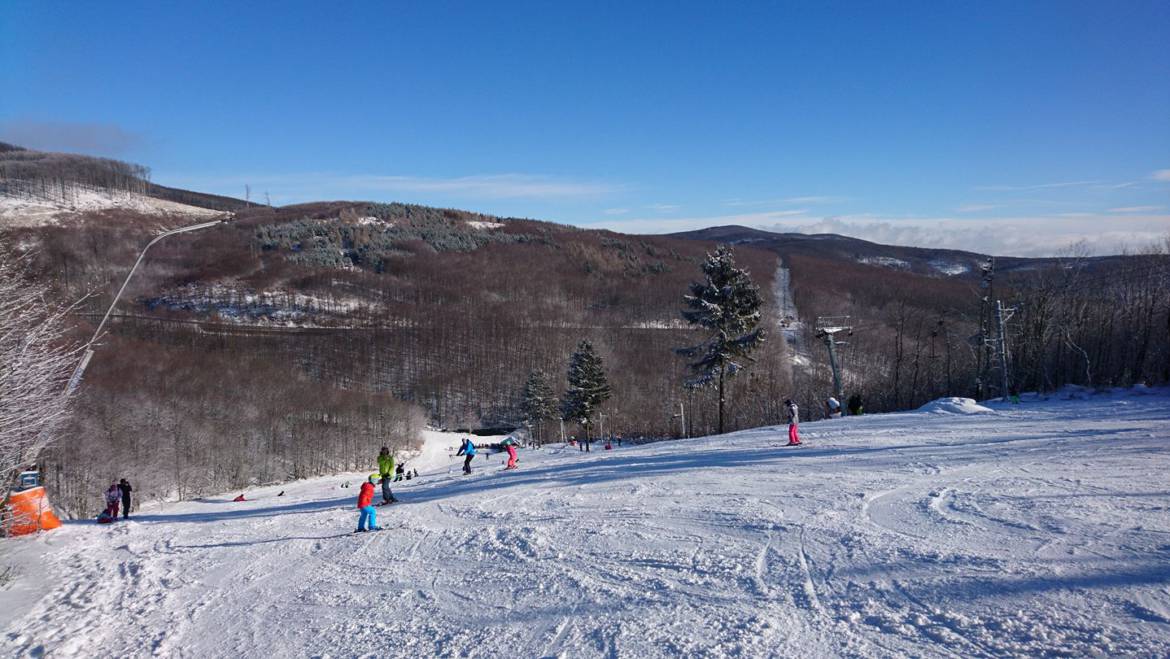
[(295, 341)]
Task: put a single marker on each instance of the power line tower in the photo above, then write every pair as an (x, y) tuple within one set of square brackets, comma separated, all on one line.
[(828, 327), (983, 342), (1002, 315)]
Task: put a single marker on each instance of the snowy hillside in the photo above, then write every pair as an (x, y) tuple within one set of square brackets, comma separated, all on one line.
[(26, 212), (1035, 529)]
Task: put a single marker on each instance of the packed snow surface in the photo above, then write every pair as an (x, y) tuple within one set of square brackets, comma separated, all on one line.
[(1035, 529)]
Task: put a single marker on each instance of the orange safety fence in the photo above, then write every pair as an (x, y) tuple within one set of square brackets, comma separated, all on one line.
[(28, 512)]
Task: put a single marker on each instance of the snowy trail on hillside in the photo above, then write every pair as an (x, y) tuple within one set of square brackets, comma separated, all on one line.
[(1037, 529)]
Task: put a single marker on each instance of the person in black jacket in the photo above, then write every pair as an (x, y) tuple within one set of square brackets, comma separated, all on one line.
[(124, 486)]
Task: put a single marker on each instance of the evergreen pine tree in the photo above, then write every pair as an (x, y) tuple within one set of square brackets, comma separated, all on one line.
[(727, 305), (540, 403), (588, 387)]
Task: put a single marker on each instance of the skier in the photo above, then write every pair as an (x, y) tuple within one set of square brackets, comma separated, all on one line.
[(112, 496), (793, 413), (833, 408), (399, 473), (415, 473), (125, 489), (855, 405), (365, 504), (467, 449), (385, 469), (509, 445)]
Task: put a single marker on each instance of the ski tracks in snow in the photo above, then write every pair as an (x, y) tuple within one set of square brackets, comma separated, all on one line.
[(902, 535)]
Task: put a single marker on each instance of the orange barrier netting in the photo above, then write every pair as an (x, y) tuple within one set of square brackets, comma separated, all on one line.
[(28, 512)]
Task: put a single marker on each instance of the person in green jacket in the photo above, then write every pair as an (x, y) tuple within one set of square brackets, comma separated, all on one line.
[(386, 469)]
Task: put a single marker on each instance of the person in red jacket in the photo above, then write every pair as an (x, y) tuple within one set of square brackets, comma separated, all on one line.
[(366, 506)]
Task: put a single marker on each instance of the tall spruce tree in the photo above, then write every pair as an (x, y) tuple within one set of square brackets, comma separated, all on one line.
[(727, 305), (588, 387), (540, 403)]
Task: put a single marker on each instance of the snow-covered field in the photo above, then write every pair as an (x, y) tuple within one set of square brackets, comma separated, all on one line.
[(1039, 529)]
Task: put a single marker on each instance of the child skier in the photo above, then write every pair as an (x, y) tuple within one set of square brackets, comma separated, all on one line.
[(365, 504), (386, 470), (467, 449), (399, 473), (793, 413), (509, 445), (113, 496)]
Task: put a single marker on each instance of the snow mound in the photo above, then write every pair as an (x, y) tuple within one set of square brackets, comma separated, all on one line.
[(954, 406)]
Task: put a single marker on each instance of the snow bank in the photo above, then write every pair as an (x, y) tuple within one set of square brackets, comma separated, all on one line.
[(954, 406)]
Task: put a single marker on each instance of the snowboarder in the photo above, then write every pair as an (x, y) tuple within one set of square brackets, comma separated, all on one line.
[(112, 496), (509, 445), (467, 449), (793, 413), (833, 408), (365, 504), (125, 489), (385, 469), (855, 405), (399, 473)]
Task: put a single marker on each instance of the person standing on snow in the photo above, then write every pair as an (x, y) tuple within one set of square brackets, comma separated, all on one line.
[(113, 495), (467, 449), (855, 405), (793, 413), (125, 489), (509, 445), (365, 504), (386, 470), (399, 473)]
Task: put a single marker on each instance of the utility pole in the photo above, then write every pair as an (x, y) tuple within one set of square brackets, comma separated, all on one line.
[(1002, 315), (828, 327)]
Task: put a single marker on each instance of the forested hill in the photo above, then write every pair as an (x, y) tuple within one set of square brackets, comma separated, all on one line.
[(294, 341)]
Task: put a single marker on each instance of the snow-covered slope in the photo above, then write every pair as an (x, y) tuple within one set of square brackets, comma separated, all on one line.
[(25, 212), (1035, 529)]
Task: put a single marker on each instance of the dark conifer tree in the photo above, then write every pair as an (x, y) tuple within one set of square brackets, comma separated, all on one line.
[(540, 403), (727, 305), (588, 387)]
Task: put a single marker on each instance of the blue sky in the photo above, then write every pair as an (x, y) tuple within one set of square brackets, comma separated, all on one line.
[(1002, 126)]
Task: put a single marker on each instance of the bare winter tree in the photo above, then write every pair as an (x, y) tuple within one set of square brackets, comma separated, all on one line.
[(35, 363)]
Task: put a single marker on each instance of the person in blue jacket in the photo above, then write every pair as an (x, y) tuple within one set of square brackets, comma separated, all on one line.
[(467, 449)]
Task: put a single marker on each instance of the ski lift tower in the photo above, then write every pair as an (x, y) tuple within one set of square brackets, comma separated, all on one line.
[(828, 327)]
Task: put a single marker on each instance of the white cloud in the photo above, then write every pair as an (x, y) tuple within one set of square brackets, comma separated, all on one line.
[(96, 139), (1040, 186), (1044, 235), (1161, 175), (616, 211), (1136, 209)]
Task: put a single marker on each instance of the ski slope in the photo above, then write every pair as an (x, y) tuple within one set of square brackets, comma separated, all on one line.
[(1036, 529)]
